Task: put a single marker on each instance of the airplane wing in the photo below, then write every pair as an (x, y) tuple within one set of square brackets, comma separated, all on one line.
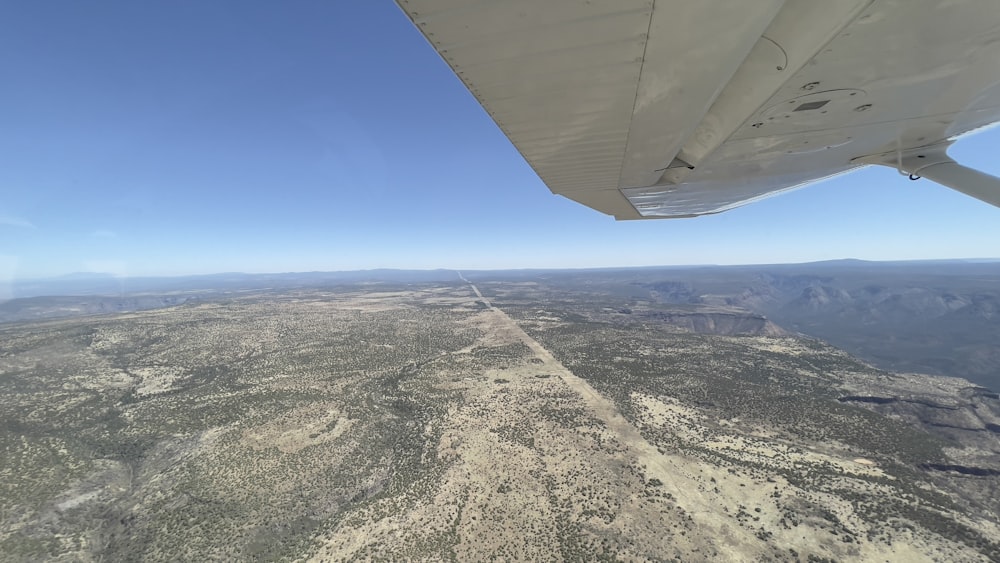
[(672, 108)]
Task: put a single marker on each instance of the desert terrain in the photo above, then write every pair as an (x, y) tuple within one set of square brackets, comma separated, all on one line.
[(491, 420)]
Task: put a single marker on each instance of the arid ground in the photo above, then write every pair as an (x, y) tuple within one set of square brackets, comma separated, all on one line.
[(495, 421)]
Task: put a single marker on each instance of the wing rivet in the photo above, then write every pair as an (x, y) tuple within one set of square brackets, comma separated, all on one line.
[(810, 86), (864, 107)]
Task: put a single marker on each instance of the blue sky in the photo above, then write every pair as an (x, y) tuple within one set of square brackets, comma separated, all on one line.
[(151, 138)]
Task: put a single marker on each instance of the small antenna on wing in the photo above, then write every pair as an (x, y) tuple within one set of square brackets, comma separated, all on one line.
[(899, 154), (899, 158)]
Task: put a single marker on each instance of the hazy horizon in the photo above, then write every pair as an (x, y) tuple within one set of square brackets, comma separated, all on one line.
[(95, 274)]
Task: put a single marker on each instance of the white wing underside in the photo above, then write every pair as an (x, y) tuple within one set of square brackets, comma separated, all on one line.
[(668, 108)]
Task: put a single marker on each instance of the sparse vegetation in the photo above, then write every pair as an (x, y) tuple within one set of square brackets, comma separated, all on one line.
[(420, 422)]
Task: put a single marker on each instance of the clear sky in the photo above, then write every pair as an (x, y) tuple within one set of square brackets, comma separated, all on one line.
[(148, 138)]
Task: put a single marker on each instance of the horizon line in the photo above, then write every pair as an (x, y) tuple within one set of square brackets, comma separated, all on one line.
[(95, 274)]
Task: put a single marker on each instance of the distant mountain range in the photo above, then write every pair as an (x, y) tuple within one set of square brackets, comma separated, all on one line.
[(933, 316), (937, 317)]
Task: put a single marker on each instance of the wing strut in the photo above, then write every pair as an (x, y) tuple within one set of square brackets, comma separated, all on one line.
[(933, 163)]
